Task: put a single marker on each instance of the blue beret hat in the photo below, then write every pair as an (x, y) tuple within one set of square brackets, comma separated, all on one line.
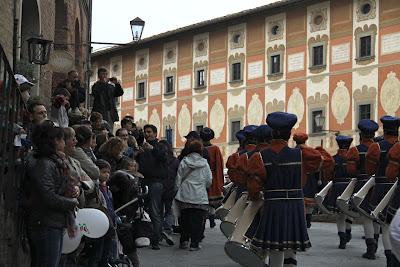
[(207, 134), (344, 142), (262, 132), (390, 122), (240, 135), (248, 130), (281, 121), (368, 126)]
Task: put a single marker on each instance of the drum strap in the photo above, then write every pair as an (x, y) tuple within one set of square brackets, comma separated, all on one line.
[(283, 194)]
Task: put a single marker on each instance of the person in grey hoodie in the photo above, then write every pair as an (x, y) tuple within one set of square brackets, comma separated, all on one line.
[(192, 180)]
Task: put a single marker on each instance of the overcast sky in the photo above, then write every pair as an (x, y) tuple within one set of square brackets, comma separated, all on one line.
[(111, 18)]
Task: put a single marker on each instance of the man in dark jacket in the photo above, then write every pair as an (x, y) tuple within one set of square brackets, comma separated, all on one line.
[(104, 92), (152, 161), (76, 92)]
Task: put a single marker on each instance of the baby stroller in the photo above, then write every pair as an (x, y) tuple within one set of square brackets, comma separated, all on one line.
[(128, 198), (134, 229)]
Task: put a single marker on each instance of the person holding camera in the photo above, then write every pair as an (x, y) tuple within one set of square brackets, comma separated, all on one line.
[(74, 88), (104, 92)]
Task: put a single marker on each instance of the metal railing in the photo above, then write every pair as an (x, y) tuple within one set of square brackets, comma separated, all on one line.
[(11, 166)]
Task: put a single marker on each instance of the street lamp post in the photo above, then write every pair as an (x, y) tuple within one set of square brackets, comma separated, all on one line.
[(39, 50), (137, 26)]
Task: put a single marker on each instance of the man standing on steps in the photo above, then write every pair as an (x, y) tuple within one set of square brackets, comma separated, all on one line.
[(105, 91)]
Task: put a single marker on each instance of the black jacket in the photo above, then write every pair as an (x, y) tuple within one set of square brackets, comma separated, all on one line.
[(104, 95), (46, 185), (153, 163)]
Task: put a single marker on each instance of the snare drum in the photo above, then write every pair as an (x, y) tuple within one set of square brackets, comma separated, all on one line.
[(238, 247)]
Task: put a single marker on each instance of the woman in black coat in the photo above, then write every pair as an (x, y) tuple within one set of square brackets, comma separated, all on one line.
[(47, 185)]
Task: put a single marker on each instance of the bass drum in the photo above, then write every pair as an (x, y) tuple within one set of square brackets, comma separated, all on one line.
[(238, 246), (228, 225)]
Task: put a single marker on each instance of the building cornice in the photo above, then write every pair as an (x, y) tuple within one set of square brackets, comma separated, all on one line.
[(204, 26)]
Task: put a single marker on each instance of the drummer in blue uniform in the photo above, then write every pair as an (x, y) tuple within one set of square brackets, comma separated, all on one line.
[(340, 181), (282, 224), (356, 168), (376, 162)]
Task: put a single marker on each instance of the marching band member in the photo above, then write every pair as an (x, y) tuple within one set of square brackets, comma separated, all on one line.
[(247, 143), (311, 186), (282, 224), (392, 173), (216, 163), (340, 181), (356, 168), (376, 163)]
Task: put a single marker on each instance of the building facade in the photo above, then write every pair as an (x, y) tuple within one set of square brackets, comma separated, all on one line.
[(339, 60), (65, 22)]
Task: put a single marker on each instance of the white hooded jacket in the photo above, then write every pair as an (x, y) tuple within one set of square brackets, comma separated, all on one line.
[(192, 180)]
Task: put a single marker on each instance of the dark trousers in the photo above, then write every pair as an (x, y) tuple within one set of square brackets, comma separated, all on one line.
[(99, 252), (191, 222), (168, 215), (156, 210), (46, 244)]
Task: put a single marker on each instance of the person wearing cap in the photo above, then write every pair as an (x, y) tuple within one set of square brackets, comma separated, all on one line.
[(248, 143), (282, 224), (216, 163), (340, 181), (356, 168), (388, 215), (191, 136), (24, 86), (376, 162), (263, 136), (310, 188), (254, 185)]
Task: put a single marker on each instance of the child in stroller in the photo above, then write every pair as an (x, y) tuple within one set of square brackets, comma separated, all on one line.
[(129, 192)]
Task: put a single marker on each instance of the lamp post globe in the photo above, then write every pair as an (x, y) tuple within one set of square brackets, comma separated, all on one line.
[(137, 26)]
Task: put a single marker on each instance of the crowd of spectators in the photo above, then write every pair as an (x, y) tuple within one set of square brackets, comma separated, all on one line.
[(70, 158)]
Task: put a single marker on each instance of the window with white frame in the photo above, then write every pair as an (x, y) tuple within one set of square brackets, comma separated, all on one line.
[(365, 44), (236, 74), (200, 78), (141, 90), (169, 84), (235, 127), (275, 64)]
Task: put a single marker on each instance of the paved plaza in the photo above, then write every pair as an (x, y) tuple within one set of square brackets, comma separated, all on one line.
[(323, 253)]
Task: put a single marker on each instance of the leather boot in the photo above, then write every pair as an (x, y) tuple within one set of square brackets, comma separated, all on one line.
[(388, 254), (308, 220), (348, 235), (371, 245), (211, 218), (343, 240), (289, 262), (376, 237)]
